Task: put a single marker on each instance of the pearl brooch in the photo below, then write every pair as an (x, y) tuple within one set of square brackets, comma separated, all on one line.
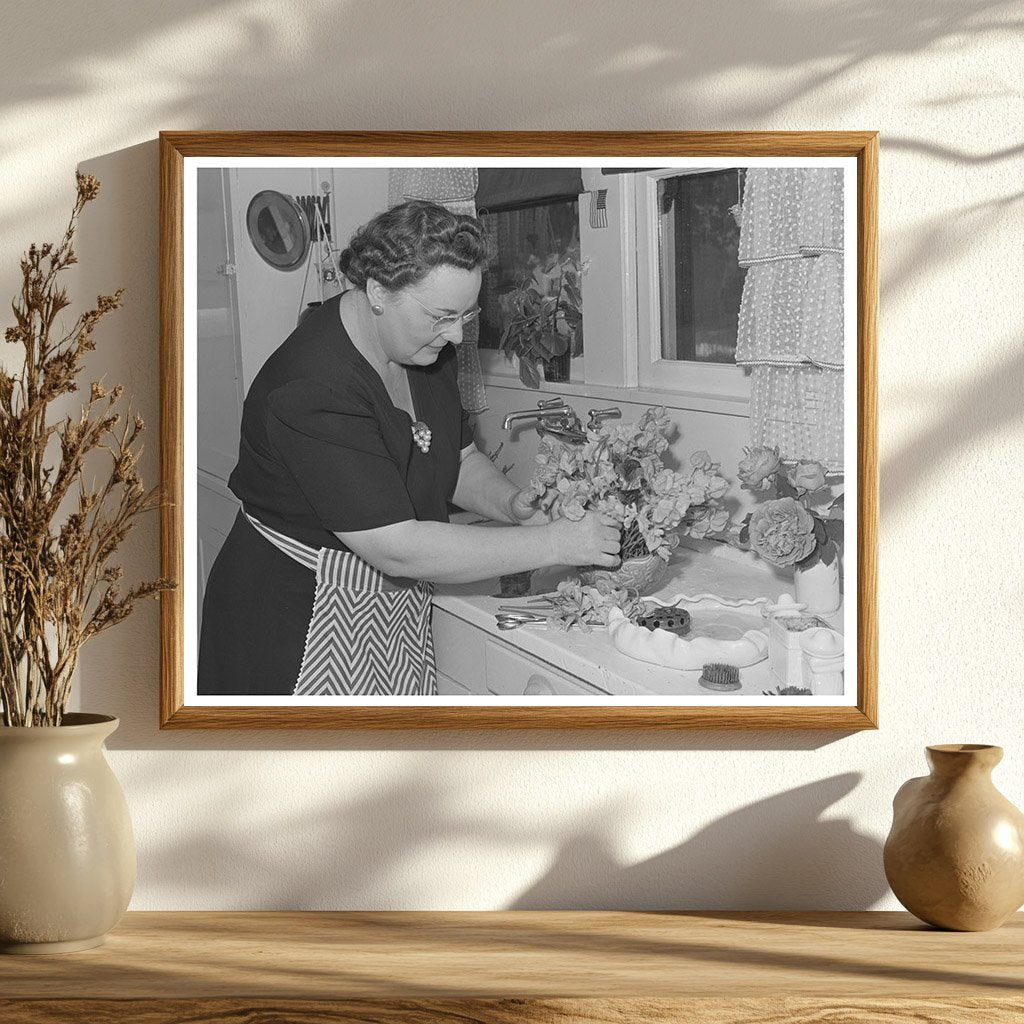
[(421, 435)]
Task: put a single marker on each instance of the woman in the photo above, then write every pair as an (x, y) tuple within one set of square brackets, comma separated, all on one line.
[(353, 442)]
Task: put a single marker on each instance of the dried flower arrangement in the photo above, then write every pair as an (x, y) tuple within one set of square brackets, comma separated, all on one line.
[(793, 528), (58, 588)]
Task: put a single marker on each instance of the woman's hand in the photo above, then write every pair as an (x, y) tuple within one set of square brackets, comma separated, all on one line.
[(593, 540), (524, 509)]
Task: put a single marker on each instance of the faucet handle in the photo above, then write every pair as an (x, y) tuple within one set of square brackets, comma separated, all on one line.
[(550, 403), (596, 415)]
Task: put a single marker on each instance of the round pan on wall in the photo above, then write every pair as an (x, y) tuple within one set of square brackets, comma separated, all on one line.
[(278, 229)]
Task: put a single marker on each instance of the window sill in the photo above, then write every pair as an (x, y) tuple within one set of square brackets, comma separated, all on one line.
[(727, 405)]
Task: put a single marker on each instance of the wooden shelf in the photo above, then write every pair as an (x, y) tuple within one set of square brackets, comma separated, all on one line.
[(507, 968)]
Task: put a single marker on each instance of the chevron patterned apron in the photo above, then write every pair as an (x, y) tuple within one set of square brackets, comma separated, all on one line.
[(366, 636)]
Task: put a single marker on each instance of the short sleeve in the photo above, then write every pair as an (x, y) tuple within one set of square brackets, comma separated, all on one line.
[(466, 434), (330, 442)]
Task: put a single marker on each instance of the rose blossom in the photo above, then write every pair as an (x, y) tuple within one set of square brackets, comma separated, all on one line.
[(782, 531), (760, 465), (807, 476)]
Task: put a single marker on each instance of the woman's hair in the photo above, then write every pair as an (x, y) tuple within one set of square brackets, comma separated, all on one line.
[(402, 245)]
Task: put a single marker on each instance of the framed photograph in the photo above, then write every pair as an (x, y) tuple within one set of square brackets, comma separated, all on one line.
[(519, 430)]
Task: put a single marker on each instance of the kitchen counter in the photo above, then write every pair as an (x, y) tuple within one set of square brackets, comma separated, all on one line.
[(704, 567)]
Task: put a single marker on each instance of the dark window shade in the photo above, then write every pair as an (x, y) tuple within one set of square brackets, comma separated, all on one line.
[(627, 170), (504, 187)]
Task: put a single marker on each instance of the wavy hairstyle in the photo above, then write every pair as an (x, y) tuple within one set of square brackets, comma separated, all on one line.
[(402, 245)]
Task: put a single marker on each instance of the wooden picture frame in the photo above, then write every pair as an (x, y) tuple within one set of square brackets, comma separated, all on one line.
[(180, 151)]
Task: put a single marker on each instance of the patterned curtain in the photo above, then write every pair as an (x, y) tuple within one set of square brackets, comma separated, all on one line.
[(454, 188), (791, 314)]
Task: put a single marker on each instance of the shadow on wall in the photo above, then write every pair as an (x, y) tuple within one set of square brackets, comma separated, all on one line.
[(419, 844), (990, 405), (776, 854), (670, 47), (177, 65)]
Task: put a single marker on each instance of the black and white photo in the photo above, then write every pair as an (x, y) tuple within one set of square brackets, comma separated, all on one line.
[(510, 436)]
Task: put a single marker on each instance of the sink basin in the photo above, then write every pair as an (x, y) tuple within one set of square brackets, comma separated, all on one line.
[(730, 632)]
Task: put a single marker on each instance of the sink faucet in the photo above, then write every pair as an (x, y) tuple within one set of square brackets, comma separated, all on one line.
[(552, 407), (596, 415), (554, 417)]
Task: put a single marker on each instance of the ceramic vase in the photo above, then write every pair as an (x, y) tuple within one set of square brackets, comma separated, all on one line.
[(643, 574), (955, 854), (817, 586), (67, 854)]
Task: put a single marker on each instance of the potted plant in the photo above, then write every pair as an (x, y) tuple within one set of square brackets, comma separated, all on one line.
[(67, 862), (621, 471), (543, 316), (799, 525)]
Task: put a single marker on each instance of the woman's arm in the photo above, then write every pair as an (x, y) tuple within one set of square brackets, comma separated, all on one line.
[(447, 553), (484, 489)]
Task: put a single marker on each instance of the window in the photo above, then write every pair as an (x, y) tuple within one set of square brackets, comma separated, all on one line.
[(689, 282), (519, 239), (531, 216), (662, 289), (700, 278)]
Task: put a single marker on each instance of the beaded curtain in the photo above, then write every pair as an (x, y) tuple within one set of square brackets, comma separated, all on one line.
[(455, 189), (791, 314)]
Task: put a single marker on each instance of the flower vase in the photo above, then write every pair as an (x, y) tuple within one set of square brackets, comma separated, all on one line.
[(556, 369), (955, 854), (643, 573), (817, 586), (67, 856)]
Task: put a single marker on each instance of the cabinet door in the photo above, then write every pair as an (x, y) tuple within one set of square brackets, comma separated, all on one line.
[(448, 687), (459, 652), (512, 673)]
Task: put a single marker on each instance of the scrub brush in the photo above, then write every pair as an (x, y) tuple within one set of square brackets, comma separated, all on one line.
[(716, 676)]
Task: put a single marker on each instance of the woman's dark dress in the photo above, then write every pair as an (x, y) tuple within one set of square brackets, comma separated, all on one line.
[(323, 449)]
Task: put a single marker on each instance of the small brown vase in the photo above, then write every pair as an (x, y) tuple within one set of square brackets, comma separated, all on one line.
[(955, 854), (67, 856)]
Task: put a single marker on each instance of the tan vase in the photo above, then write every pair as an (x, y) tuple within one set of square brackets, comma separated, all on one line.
[(955, 854), (67, 855)]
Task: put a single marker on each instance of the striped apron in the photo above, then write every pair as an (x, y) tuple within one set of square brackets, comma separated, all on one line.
[(367, 637)]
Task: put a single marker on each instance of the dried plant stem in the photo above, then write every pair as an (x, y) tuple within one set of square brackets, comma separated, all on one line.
[(58, 587)]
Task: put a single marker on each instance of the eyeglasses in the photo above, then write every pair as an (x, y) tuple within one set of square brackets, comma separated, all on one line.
[(449, 320)]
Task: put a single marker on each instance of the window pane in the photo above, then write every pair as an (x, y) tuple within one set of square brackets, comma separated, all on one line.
[(518, 240), (701, 280)]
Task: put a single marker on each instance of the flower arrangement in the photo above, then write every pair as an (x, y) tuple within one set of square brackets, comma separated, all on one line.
[(620, 471), (583, 606), (791, 528), (544, 313), (58, 533)]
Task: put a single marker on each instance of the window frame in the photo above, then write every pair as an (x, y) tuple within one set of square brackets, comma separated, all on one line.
[(677, 375), (496, 369), (622, 294)]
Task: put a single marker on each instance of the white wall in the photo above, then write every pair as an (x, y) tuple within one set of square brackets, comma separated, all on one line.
[(731, 820)]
